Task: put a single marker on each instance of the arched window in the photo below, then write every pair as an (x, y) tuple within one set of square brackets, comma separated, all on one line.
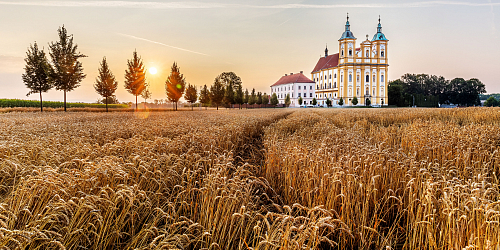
[(374, 80), (335, 85), (325, 77), (350, 78), (335, 76), (342, 52), (382, 53), (367, 91), (325, 85), (357, 78), (367, 54), (350, 52), (357, 91), (329, 85), (382, 78), (341, 78), (367, 78)]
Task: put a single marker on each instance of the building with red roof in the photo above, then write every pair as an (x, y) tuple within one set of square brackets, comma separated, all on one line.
[(297, 86), (354, 72)]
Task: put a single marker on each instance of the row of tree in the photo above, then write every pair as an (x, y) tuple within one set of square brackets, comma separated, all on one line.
[(429, 90)]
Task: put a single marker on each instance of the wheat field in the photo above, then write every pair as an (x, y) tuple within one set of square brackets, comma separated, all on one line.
[(251, 179)]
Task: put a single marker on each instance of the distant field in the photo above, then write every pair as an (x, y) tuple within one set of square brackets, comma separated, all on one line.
[(251, 179), (15, 103)]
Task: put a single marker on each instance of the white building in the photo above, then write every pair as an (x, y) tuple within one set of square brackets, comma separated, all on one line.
[(296, 85)]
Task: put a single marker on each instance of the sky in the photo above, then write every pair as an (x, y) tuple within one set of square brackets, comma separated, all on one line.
[(258, 40)]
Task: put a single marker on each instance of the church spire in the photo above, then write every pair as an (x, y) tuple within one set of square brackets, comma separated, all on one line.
[(379, 36), (326, 51), (347, 33)]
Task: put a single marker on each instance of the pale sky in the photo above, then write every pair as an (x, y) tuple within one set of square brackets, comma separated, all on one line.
[(258, 40)]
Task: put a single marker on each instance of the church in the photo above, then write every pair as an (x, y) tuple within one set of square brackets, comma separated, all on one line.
[(359, 72)]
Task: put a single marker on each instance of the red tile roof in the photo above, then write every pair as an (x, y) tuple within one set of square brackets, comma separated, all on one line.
[(328, 62), (295, 78)]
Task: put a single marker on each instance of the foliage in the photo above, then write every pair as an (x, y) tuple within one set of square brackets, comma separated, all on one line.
[(105, 83), (109, 100), (486, 96), (355, 101), (66, 69), (205, 95), (287, 100), (135, 77), (191, 94), (341, 101), (300, 100), (274, 99), (247, 96), (259, 98), (13, 103), (265, 99), (175, 85), (492, 102), (314, 101), (239, 96), (328, 102), (217, 91), (253, 98), (368, 102), (37, 72)]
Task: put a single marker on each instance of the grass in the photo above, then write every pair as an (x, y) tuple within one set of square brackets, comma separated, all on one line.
[(251, 179)]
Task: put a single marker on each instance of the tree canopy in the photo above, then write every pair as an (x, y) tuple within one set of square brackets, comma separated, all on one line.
[(175, 85), (217, 92), (191, 95), (37, 72), (135, 77), (205, 95), (105, 83)]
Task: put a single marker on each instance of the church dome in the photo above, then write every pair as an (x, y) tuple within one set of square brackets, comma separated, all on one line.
[(379, 36), (347, 33)]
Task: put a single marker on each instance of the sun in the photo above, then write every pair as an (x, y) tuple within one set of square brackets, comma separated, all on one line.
[(153, 70)]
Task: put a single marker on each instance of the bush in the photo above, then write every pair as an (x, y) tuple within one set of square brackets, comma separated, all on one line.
[(14, 103)]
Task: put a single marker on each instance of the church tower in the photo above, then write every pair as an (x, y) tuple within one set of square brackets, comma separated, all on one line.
[(379, 53), (347, 54)]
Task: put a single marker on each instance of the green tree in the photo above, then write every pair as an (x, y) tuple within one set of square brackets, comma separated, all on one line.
[(300, 100), (314, 101), (395, 93), (175, 85), (66, 71), (368, 102), (341, 101), (259, 99), (228, 95), (205, 96), (191, 95), (135, 77), (491, 102), (355, 101), (37, 72), (146, 94), (328, 102), (265, 99), (239, 96), (105, 83), (253, 98), (287, 100), (217, 92), (247, 96), (274, 99)]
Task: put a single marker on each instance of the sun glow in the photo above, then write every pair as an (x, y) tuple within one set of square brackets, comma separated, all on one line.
[(153, 70)]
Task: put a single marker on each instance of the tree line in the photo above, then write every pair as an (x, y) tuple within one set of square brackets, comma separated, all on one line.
[(431, 90)]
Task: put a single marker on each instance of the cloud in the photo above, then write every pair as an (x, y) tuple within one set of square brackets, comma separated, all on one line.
[(201, 5), (159, 43)]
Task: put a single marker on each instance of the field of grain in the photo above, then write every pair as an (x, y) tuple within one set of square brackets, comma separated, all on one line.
[(251, 179)]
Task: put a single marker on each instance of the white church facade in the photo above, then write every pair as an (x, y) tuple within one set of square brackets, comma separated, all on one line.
[(297, 86)]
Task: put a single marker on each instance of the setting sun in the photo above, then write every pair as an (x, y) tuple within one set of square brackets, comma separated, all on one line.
[(153, 70)]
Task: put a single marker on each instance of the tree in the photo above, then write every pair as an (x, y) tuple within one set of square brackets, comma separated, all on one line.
[(274, 99), (217, 92), (247, 97), (109, 100), (355, 101), (395, 93), (229, 94), (239, 96), (368, 102), (341, 101), (205, 96), (37, 72), (253, 98), (105, 83), (135, 77), (300, 100), (491, 102), (146, 94), (66, 71), (265, 99), (175, 85), (328, 102), (259, 99), (191, 95), (287, 100)]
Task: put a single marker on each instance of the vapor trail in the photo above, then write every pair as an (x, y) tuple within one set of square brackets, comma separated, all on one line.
[(159, 43)]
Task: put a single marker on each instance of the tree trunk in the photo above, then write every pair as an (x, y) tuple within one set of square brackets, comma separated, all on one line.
[(136, 107), (217, 106), (64, 100), (41, 103), (106, 104)]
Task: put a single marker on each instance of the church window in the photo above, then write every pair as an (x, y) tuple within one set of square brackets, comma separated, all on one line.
[(325, 77), (357, 78), (382, 53), (299, 94), (330, 76), (310, 94), (335, 95), (357, 91), (299, 87), (350, 91), (350, 52), (382, 92), (341, 78), (367, 78), (373, 91), (367, 54), (367, 91), (311, 87), (382, 78), (374, 80), (335, 85), (350, 78), (325, 85), (342, 52), (335, 76)]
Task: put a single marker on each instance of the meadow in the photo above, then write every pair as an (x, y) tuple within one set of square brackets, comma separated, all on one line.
[(251, 179)]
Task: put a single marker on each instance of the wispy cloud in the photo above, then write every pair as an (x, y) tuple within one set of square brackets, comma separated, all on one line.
[(162, 44), (204, 5)]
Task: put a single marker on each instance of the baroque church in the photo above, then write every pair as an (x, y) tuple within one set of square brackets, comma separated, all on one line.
[(354, 72)]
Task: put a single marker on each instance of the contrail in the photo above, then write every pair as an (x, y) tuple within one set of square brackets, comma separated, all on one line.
[(201, 5), (166, 45)]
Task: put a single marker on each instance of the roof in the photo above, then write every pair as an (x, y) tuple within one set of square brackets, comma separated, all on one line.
[(295, 78), (347, 33), (330, 61), (379, 36)]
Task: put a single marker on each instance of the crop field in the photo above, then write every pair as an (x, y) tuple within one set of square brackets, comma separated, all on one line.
[(251, 179)]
